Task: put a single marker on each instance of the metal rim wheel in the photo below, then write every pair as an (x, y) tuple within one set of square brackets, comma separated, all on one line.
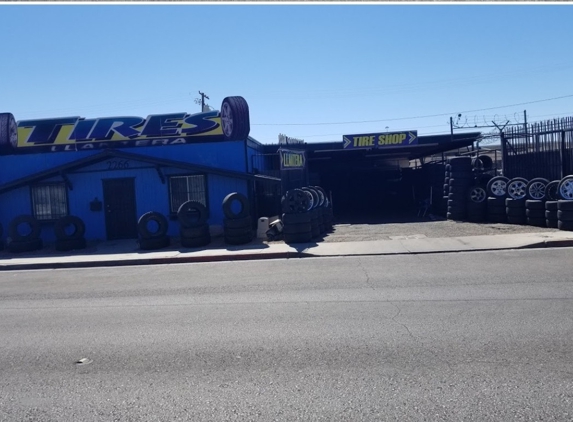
[(497, 186), (517, 188), (536, 188), (565, 188), (477, 194), (227, 119)]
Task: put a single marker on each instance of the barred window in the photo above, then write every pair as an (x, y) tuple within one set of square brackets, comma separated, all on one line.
[(186, 188), (49, 202)]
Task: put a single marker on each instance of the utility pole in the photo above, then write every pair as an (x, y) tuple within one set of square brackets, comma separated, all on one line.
[(203, 96)]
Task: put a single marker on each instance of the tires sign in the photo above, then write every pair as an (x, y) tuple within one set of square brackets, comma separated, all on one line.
[(291, 159), (77, 133), (380, 140)]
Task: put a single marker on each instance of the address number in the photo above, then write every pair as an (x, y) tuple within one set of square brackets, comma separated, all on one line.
[(118, 165)]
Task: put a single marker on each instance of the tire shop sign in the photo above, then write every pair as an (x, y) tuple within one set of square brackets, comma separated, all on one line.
[(380, 140), (77, 134), (292, 159)]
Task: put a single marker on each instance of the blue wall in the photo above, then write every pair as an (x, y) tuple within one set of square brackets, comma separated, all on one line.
[(151, 194)]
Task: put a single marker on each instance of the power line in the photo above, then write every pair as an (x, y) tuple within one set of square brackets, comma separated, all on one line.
[(413, 117)]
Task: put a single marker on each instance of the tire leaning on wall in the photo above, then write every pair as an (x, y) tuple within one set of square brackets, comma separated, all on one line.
[(237, 226), (24, 242), (8, 133), (60, 226), (152, 216)]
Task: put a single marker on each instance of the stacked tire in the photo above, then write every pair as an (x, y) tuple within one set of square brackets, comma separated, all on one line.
[(25, 240), (317, 226), (535, 212), (152, 230), (238, 223), (459, 180), (70, 231), (325, 209), (496, 189), (515, 211), (297, 221), (551, 210), (476, 204), (565, 214), (193, 227)]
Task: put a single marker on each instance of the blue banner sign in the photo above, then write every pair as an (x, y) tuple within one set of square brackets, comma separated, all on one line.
[(292, 160), (380, 140)]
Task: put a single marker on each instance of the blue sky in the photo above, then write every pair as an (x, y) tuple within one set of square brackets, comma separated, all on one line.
[(315, 72)]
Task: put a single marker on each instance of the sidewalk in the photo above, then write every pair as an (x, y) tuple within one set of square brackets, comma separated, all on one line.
[(126, 252)]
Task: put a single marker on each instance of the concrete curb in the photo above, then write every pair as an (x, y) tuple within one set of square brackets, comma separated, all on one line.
[(301, 253)]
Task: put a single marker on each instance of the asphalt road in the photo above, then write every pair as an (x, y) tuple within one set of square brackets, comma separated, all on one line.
[(457, 337)]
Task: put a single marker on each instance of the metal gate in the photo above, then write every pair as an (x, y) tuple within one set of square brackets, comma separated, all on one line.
[(543, 149)]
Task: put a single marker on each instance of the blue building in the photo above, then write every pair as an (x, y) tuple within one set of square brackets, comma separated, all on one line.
[(109, 171)]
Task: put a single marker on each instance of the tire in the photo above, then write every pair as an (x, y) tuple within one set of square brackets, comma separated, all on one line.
[(322, 195), (245, 231), (192, 214), (304, 217), (237, 223), (535, 188), (462, 190), (154, 243), (552, 223), (235, 120), (195, 242), (565, 205), (34, 225), (460, 203), (516, 212), (535, 213), (514, 203), (238, 240), (69, 220), (464, 183), (551, 205), (565, 225), (538, 222), (565, 188), (483, 162), (496, 202), (458, 197), (461, 175), (143, 225), (64, 245), (497, 186), (565, 215), (551, 191), (457, 209), (517, 220), (456, 216), (298, 228), (294, 201), (532, 204), (298, 238), (228, 206), (551, 215), (516, 188), (8, 133), (193, 232), (460, 162), (477, 194), (314, 198), (17, 246)]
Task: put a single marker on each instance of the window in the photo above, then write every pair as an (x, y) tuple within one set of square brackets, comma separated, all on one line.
[(49, 202), (186, 188)]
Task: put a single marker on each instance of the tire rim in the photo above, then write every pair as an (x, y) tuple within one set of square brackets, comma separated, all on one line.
[(517, 189), (537, 190), (566, 189), (477, 195), (227, 119), (499, 188), (13, 132), (310, 200)]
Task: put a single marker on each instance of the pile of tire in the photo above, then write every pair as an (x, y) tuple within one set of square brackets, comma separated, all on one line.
[(152, 230), (496, 189), (325, 209), (476, 204), (319, 210), (551, 210), (69, 240), (459, 178), (237, 223), (565, 214), (535, 212), (24, 234), (193, 226), (515, 211), (296, 218)]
